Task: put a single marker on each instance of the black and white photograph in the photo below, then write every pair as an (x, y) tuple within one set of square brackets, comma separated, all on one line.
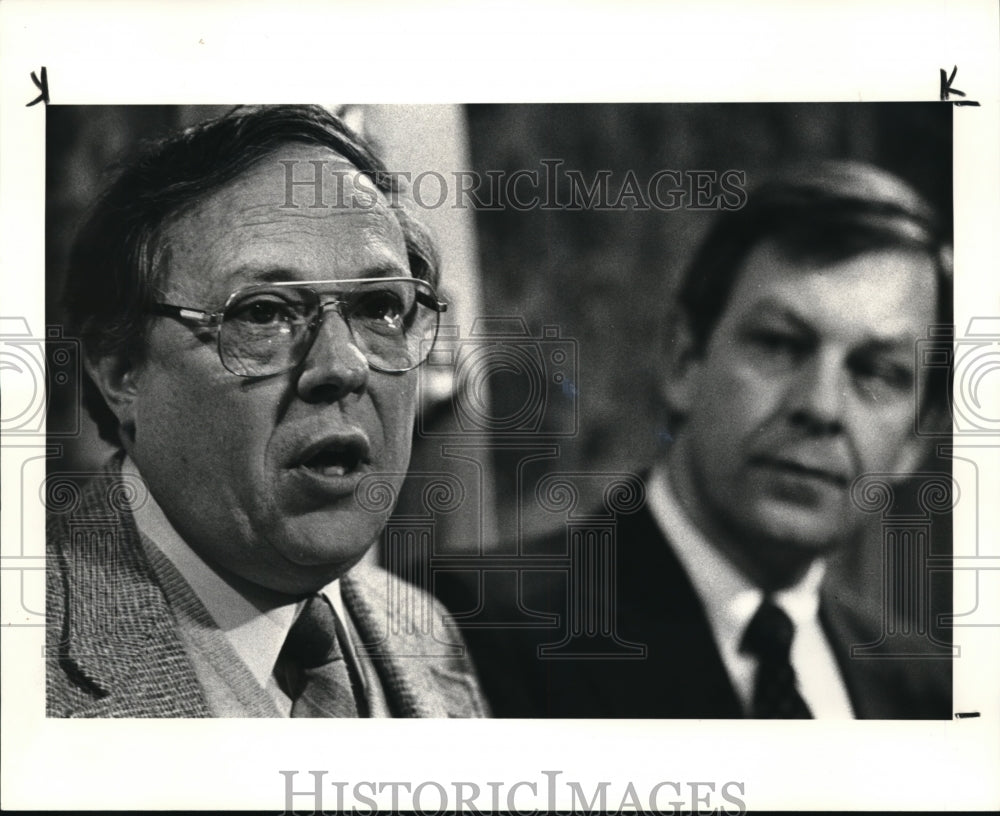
[(659, 423), (750, 310)]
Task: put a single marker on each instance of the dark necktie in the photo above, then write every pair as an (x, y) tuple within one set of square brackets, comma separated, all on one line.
[(322, 685), (769, 637)]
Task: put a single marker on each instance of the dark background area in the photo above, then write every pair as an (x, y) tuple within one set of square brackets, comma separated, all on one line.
[(602, 279), (606, 277)]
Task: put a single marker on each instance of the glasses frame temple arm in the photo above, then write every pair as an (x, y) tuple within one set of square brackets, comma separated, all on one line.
[(186, 314), (431, 303)]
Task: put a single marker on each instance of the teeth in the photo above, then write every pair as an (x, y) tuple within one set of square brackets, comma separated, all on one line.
[(333, 462)]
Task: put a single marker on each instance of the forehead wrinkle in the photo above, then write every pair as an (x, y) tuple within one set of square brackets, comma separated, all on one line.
[(377, 237), (217, 279), (234, 225), (378, 222), (379, 207), (381, 220), (263, 180)]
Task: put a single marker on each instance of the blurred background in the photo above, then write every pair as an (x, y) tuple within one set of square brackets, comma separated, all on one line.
[(552, 353)]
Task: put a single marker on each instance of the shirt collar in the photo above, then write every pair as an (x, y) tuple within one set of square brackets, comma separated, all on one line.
[(729, 597), (255, 627)]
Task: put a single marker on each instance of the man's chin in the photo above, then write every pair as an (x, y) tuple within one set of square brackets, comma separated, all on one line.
[(297, 579), (324, 541), (799, 531)]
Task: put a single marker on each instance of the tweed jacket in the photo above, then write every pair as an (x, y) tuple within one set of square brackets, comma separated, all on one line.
[(681, 673), (113, 648)]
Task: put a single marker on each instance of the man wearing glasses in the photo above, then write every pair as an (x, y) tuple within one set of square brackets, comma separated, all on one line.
[(251, 344)]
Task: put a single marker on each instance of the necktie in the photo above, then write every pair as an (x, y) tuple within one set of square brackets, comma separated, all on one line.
[(769, 637), (322, 686)]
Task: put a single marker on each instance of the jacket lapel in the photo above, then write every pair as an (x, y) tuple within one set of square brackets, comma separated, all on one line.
[(682, 674), (413, 666), (117, 634), (113, 632), (879, 687)]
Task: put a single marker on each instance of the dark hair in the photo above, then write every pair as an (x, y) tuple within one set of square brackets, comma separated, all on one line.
[(821, 213), (113, 276)]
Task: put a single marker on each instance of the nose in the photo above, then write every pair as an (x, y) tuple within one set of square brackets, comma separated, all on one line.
[(817, 396), (334, 366)]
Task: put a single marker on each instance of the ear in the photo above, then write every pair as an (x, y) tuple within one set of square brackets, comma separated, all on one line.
[(114, 375), (683, 358)]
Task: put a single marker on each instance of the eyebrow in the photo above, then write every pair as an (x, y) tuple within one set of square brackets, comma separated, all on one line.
[(775, 309), (772, 309)]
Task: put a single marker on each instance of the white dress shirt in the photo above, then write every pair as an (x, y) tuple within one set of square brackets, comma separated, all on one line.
[(731, 600)]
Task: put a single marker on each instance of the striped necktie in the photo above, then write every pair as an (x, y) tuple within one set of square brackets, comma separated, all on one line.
[(322, 686), (769, 637)]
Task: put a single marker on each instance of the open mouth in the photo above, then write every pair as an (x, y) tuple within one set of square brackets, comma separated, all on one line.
[(336, 458)]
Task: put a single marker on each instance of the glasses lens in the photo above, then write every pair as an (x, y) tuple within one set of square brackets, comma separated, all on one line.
[(269, 329), (393, 322), (264, 331)]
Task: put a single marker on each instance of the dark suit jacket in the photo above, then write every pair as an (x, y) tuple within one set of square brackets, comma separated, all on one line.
[(682, 674), (112, 644)]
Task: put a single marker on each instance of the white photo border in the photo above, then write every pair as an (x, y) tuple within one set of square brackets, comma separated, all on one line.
[(142, 53)]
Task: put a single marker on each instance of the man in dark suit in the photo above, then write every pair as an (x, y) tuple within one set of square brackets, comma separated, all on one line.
[(252, 309), (790, 374)]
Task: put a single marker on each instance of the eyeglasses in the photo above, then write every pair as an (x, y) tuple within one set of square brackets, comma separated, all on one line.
[(269, 328)]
